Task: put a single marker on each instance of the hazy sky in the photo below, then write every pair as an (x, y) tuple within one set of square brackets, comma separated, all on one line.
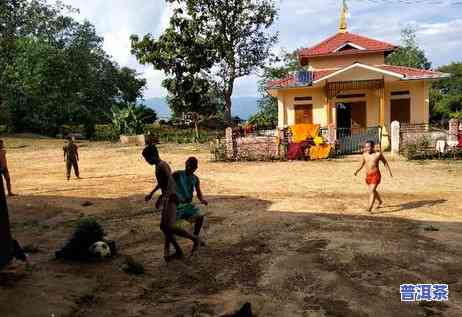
[(301, 23)]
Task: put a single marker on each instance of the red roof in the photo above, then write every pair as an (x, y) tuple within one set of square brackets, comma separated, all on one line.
[(407, 72), (328, 46)]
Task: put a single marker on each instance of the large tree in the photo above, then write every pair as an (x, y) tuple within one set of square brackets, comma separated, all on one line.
[(446, 94), (226, 39), (409, 54), (54, 70)]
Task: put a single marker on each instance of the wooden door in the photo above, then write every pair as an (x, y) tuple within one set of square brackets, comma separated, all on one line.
[(303, 114), (401, 110)]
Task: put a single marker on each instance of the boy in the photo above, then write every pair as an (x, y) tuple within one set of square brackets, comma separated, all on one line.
[(167, 202), (71, 157), (186, 183), (371, 159), (4, 168)]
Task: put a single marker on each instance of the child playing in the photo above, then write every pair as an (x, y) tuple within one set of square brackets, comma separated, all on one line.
[(167, 203), (371, 159), (186, 183)]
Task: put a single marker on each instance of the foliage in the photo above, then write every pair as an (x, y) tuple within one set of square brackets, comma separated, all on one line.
[(279, 67), (87, 232), (127, 120), (409, 54), (55, 69), (207, 46), (105, 132), (446, 94)]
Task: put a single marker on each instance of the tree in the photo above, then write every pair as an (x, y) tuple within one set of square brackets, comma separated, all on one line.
[(226, 39), (279, 67), (185, 56), (409, 54), (54, 70), (446, 94)]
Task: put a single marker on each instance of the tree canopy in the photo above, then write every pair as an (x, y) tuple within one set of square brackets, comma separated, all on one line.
[(409, 54), (207, 46), (54, 71), (446, 94)]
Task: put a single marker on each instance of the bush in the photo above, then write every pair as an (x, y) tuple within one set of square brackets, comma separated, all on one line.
[(418, 149), (3, 129), (87, 232), (105, 132)]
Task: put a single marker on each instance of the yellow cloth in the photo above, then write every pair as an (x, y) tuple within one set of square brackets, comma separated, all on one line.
[(302, 131), (320, 151), (182, 224)]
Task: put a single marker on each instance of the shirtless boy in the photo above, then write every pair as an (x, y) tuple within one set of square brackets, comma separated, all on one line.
[(4, 168), (371, 160), (167, 202)]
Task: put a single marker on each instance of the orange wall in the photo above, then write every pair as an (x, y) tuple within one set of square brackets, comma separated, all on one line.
[(342, 61)]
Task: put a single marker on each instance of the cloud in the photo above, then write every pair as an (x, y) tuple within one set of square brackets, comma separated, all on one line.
[(301, 23)]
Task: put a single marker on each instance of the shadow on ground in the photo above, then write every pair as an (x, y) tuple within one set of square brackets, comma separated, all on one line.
[(284, 263)]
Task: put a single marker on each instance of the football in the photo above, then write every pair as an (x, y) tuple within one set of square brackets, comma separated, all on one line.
[(100, 249)]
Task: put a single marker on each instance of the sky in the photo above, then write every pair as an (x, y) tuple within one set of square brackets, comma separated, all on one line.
[(301, 23)]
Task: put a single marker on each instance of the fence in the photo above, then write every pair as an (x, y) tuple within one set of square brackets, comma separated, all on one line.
[(421, 141)]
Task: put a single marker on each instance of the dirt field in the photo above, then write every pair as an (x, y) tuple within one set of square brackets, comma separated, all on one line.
[(290, 237)]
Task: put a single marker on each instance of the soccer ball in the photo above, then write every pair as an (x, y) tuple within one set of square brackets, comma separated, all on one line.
[(100, 249)]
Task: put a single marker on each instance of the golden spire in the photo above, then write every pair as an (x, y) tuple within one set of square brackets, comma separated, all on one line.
[(343, 18)]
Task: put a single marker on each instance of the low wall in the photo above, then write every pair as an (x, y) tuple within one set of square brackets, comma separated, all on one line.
[(259, 147)]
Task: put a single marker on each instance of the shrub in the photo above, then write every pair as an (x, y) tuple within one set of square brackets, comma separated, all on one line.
[(87, 232), (3, 129), (105, 132)]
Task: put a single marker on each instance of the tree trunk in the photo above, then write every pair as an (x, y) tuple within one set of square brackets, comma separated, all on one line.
[(6, 244), (227, 109)]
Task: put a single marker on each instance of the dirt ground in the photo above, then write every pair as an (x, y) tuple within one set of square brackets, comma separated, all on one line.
[(291, 238)]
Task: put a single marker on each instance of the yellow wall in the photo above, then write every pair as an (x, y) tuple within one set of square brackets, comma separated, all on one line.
[(342, 61), (418, 93), (287, 98), (418, 90)]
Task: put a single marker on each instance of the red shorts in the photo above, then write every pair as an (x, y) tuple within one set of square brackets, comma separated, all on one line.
[(373, 178)]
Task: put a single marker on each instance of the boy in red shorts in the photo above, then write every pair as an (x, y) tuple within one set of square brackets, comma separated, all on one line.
[(371, 160)]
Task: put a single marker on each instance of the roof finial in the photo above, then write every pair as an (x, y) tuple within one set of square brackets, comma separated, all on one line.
[(343, 18)]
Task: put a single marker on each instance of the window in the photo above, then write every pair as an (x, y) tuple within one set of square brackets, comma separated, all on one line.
[(401, 110), (303, 98), (400, 93), (303, 113), (351, 96)]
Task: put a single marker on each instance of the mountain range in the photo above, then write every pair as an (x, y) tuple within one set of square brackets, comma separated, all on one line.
[(243, 107)]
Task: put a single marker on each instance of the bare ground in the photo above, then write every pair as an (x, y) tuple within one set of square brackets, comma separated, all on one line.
[(290, 237)]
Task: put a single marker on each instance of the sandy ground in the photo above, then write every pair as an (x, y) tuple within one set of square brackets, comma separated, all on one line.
[(292, 238)]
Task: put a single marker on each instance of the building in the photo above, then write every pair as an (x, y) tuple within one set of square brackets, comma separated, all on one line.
[(346, 83)]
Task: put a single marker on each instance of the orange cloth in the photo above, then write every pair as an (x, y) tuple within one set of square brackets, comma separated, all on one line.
[(373, 177), (320, 151), (302, 131)]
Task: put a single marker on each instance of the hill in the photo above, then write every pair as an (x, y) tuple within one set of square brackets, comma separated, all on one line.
[(243, 107)]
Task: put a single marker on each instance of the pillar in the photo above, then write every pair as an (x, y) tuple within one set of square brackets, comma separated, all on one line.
[(229, 143), (384, 138), (394, 130), (453, 131)]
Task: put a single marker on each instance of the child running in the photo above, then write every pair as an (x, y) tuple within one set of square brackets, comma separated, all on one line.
[(186, 183), (371, 159), (167, 203), (4, 168)]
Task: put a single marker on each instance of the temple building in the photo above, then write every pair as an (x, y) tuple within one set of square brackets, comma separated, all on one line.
[(345, 82)]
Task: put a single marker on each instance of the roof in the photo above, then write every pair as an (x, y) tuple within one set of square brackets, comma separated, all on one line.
[(412, 73), (289, 81), (399, 72), (333, 44)]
